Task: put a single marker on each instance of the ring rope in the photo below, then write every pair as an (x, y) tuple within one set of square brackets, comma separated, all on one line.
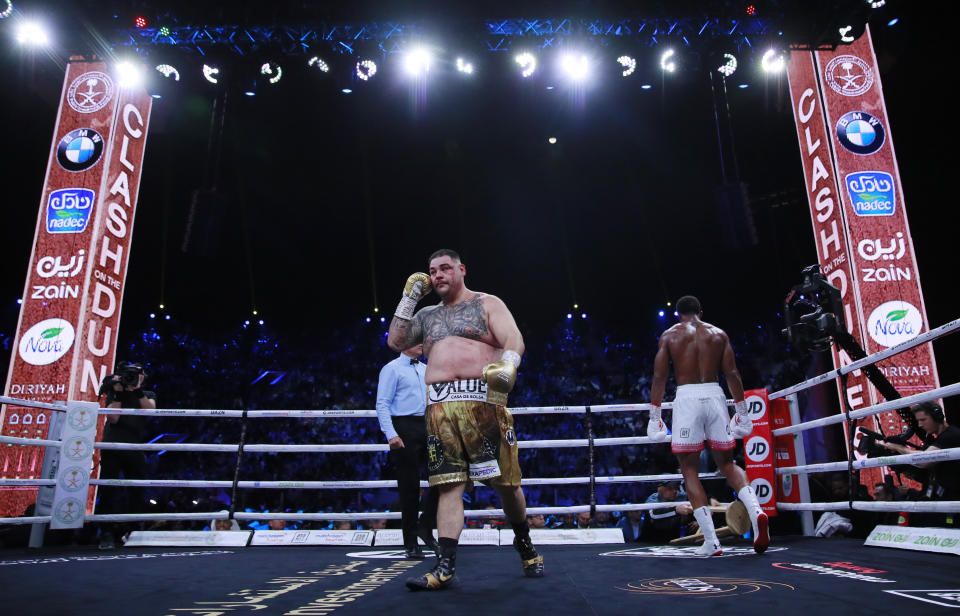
[(911, 506), (939, 455), (933, 334), (891, 405)]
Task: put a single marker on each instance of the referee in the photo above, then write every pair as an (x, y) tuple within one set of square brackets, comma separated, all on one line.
[(401, 401)]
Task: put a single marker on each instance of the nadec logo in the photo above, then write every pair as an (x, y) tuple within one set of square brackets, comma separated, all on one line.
[(46, 342), (860, 133), (894, 322), (69, 209), (79, 149), (848, 75), (871, 193), (90, 92)]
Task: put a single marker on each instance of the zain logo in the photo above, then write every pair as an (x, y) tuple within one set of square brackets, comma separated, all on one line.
[(860, 133), (79, 149), (848, 75), (894, 322)]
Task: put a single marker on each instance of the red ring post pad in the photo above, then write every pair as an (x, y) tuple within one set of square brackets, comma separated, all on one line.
[(758, 451)]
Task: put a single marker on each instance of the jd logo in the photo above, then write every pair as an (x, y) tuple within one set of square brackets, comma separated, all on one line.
[(757, 449)]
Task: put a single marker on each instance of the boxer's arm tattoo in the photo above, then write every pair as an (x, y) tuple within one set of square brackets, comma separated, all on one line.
[(407, 333), (466, 320)]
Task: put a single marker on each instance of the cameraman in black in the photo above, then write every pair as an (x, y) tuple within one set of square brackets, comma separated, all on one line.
[(124, 389), (944, 477)]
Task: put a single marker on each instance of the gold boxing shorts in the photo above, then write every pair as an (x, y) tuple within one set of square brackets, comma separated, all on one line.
[(469, 438)]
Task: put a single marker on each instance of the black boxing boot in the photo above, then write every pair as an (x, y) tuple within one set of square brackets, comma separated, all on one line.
[(426, 535), (444, 574), (532, 562)]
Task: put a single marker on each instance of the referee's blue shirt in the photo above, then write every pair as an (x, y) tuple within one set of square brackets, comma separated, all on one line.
[(401, 391)]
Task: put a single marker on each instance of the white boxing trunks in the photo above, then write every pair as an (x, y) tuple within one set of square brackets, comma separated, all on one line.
[(700, 414)]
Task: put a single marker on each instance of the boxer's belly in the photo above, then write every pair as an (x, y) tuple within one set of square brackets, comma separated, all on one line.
[(456, 358)]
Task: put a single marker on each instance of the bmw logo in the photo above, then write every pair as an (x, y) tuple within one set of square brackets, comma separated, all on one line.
[(860, 132), (79, 149)]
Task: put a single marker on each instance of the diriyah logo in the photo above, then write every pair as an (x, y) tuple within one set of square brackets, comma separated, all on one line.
[(894, 322), (46, 342)]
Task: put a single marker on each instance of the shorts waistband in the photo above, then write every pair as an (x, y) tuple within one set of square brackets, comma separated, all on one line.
[(699, 389), (464, 390)]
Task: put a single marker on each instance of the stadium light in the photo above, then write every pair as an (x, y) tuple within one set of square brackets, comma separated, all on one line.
[(667, 63), (319, 64), (417, 62), (32, 33), (168, 71), (366, 69), (527, 62), (211, 73), (629, 65), (464, 67), (575, 66), (129, 75), (773, 61), (729, 66), (272, 71)]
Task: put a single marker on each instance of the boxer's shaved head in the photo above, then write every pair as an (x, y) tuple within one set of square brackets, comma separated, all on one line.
[(445, 252), (688, 305)]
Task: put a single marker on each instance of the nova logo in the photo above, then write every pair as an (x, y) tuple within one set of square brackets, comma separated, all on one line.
[(69, 209), (46, 342), (871, 193), (894, 322)]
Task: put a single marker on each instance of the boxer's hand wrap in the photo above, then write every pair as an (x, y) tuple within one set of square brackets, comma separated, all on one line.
[(500, 376), (418, 285), (740, 424), (656, 429)]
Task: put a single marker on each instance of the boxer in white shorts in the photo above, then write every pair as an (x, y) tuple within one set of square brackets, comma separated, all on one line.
[(699, 351)]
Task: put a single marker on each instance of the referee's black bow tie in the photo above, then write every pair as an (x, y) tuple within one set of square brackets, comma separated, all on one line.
[(414, 361)]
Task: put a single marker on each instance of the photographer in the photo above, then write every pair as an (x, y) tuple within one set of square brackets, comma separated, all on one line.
[(122, 390), (944, 477)]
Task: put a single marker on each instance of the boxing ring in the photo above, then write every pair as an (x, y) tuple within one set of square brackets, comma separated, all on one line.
[(797, 573)]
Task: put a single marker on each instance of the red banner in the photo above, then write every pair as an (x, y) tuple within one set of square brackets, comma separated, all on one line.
[(880, 265), (66, 334), (758, 452), (784, 452)]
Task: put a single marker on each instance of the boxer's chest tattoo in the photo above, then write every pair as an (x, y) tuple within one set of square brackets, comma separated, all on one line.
[(466, 320)]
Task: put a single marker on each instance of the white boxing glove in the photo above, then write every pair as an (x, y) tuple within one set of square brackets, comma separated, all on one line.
[(740, 424), (656, 429)]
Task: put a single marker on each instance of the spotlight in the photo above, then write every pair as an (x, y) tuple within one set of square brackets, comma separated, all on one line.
[(260, 321), (875, 4), (583, 316), (552, 140), (153, 315), (317, 63), (773, 61), (164, 31), (250, 93), (211, 73), (751, 10), (846, 34), (347, 91), (128, 74), (32, 33), (743, 86), (272, 71), (667, 64), (417, 62), (576, 66), (893, 21), (646, 86), (629, 65), (569, 316), (729, 66), (168, 71), (8, 10), (366, 69), (527, 62), (367, 319), (140, 21), (660, 314), (464, 67)]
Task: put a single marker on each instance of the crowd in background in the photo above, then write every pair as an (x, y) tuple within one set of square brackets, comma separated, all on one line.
[(576, 363)]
